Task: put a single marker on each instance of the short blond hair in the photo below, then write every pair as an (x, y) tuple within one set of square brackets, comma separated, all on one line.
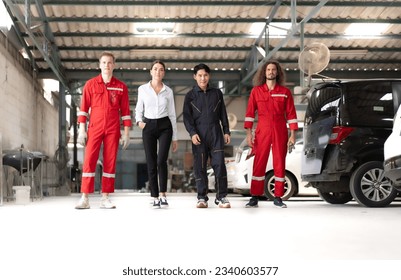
[(106, 53)]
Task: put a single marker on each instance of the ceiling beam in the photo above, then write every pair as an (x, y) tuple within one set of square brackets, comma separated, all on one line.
[(184, 78), (18, 33), (53, 51), (77, 74), (206, 48), (133, 48), (149, 60), (217, 3), (156, 3), (234, 20), (213, 35), (158, 20), (39, 38), (230, 76), (294, 29), (270, 17), (329, 20), (176, 77), (214, 60)]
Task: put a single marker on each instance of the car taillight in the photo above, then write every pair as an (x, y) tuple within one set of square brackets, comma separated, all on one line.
[(339, 133)]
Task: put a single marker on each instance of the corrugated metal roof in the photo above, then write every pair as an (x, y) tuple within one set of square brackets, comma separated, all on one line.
[(215, 32)]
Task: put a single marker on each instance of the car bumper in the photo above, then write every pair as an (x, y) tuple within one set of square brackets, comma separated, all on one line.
[(392, 170)]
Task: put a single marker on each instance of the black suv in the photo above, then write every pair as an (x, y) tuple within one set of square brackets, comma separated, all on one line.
[(346, 125)]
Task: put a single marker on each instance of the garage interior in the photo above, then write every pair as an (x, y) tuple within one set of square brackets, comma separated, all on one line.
[(50, 48), (61, 41)]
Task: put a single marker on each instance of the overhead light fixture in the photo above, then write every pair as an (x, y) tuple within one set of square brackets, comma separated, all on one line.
[(153, 28), (275, 29), (5, 20), (366, 30)]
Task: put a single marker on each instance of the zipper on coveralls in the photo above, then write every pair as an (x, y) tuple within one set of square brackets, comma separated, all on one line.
[(195, 107), (215, 108)]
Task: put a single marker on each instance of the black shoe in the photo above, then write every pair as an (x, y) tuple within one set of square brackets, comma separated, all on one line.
[(156, 204), (222, 202), (163, 202), (279, 202), (253, 202)]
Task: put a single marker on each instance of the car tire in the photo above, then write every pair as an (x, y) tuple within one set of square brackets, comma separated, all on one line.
[(290, 187), (369, 187), (335, 197)]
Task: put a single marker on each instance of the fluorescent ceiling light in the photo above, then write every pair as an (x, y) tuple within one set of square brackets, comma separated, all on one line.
[(154, 28), (5, 20), (275, 30), (366, 29)]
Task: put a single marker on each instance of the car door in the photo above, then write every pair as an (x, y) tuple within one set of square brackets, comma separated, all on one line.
[(320, 117)]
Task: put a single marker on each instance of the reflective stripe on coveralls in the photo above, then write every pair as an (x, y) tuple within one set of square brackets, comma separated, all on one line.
[(106, 103), (205, 114), (275, 108)]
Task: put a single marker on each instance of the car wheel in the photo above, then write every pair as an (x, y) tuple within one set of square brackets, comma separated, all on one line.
[(290, 186), (335, 197), (370, 187)]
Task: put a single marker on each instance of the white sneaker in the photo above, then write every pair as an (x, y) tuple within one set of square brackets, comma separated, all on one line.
[(105, 203), (83, 203), (202, 203), (223, 202)]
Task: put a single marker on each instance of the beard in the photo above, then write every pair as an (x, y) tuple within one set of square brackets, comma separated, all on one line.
[(271, 78)]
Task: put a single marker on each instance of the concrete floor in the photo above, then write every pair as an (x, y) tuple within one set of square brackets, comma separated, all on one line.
[(49, 239)]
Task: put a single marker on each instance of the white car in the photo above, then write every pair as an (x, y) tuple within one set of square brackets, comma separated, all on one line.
[(230, 165), (392, 153), (293, 186)]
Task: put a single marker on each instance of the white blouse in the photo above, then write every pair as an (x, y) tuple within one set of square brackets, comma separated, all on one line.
[(156, 106)]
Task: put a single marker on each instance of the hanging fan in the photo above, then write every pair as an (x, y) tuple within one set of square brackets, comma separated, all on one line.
[(232, 120), (313, 59)]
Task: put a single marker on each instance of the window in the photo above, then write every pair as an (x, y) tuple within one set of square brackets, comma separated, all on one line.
[(323, 103), (368, 104)]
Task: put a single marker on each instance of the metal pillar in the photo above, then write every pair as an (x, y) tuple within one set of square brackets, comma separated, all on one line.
[(62, 144)]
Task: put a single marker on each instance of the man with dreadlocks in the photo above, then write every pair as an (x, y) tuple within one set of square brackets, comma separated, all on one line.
[(274, 105)]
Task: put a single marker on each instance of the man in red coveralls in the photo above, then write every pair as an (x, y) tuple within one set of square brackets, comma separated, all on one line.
[(274, 105), (106, 98)]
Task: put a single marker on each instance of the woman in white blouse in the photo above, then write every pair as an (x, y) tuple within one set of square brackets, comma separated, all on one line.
[(155, 115)]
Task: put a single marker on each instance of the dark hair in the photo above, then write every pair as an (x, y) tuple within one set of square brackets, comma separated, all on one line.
[(200, 67), (260, 76), (158, 61), (106, 53)]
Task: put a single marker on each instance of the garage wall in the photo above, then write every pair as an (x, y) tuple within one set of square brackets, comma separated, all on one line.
[(26, 118)]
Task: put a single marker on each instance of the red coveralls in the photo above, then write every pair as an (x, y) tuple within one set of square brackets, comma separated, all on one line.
[(106, 102), (274, 108)]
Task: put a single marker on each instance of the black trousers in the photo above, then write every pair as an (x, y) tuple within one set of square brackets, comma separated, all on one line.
[(157, 130), (212, 146)]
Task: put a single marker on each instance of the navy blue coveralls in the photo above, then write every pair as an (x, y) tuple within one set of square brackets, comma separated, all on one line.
[(205, 114)]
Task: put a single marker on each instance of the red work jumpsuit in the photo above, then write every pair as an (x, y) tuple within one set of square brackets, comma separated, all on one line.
[(274, 108), (106, 102)]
